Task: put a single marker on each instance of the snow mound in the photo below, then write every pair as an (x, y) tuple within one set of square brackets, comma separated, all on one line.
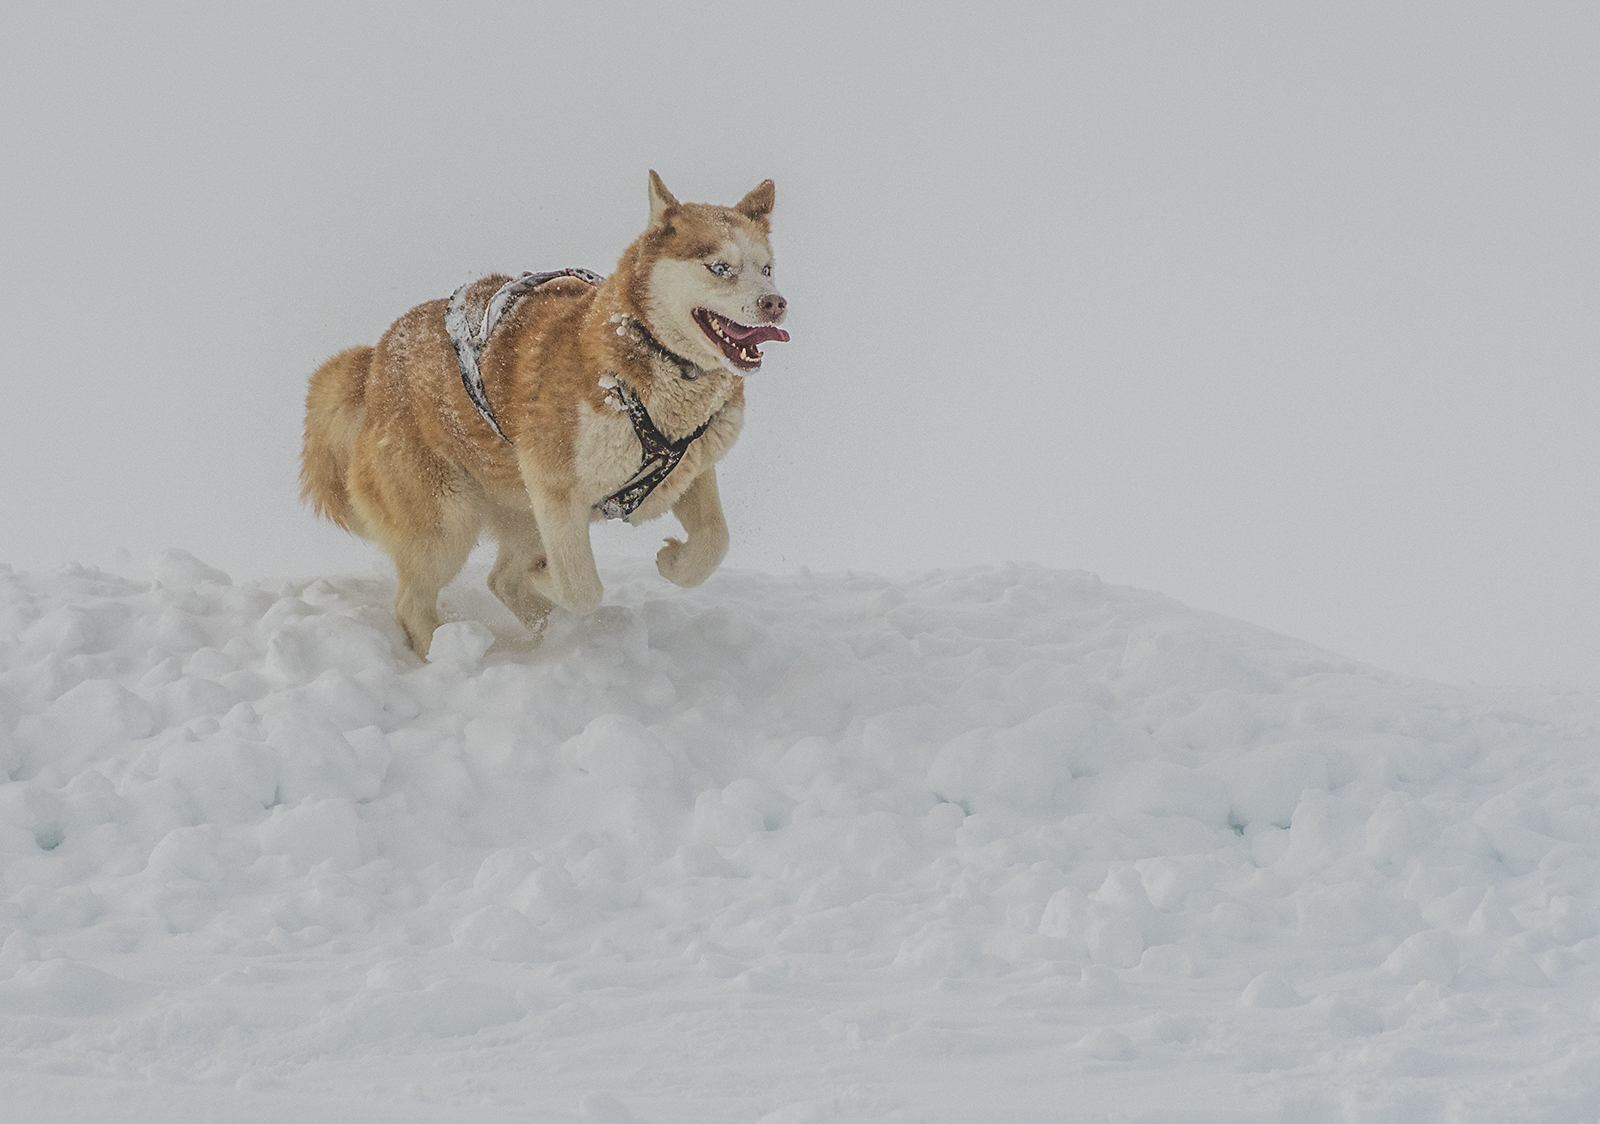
[(978, 844)]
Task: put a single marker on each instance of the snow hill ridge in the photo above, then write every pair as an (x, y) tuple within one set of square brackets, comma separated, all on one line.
[(1002, 843)]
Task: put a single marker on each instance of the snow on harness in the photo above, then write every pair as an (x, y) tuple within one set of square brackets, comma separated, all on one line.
[(661, 455), (469, 343)]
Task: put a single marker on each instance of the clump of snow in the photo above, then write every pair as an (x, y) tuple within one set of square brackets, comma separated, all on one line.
[(979, 844), (1270, 989)]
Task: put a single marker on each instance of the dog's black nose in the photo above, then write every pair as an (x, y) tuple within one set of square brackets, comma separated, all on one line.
[(773, 307)]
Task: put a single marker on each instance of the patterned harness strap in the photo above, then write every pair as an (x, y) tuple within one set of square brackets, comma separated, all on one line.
[(469, 343), (661, 455)]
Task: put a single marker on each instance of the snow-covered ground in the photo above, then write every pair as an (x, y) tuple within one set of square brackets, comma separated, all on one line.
[(999, 844)]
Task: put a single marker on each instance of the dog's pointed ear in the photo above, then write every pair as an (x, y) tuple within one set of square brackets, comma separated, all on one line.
[(758, 204), (661, 200)]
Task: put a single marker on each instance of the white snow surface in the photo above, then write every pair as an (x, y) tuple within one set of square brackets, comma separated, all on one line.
[(1001, 844)]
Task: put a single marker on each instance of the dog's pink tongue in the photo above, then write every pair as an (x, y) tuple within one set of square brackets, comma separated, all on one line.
[(761, 333)]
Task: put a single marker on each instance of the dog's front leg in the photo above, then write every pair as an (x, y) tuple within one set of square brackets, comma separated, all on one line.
[(700, 511), (569, 577)]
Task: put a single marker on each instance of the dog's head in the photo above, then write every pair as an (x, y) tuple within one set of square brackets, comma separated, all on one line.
[(701, 278)]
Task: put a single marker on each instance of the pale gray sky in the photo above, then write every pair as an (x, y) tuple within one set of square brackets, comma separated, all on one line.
[(1288, 311)]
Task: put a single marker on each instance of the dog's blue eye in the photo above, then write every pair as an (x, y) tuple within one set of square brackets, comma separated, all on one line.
[(721, 269), (766, 271)]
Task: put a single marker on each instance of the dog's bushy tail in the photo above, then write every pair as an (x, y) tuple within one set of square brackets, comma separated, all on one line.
[(336, 406)]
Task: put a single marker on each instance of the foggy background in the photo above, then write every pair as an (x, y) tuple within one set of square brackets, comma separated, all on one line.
[(1289, 313)]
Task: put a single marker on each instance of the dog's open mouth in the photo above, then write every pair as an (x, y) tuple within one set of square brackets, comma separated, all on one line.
[(739, 342)]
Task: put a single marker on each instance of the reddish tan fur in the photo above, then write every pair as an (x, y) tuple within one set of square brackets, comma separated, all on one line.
[(335, 409), (395, 451)]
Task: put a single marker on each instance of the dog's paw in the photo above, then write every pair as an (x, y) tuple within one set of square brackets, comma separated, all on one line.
[(582, 596), (419, 637), (681, 564), (579, 594), (517, 592)]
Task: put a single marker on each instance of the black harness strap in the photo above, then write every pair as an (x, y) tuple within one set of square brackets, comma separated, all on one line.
[(661, 455)]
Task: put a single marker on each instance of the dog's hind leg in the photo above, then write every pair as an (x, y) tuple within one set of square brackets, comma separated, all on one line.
[(426, 514), (699, 509), (424, 566), (521, 557)]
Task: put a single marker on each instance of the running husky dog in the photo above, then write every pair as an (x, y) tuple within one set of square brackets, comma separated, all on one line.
[(531, 408)]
